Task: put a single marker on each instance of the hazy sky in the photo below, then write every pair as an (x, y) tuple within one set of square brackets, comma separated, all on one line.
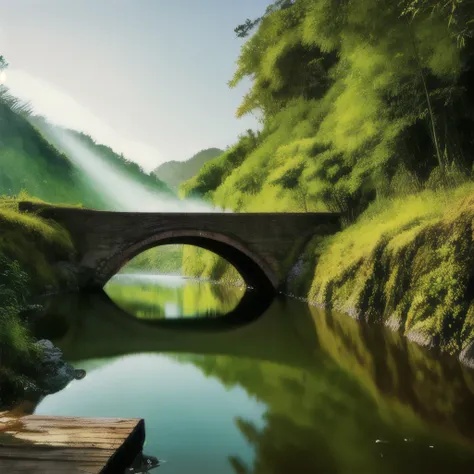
[(146, 77)]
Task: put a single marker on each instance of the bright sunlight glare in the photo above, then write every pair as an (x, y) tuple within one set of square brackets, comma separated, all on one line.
[(3, 77)]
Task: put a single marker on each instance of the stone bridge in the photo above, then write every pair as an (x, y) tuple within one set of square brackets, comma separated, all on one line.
[(261, 246)]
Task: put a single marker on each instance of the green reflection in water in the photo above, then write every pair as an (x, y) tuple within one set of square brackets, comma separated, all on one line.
[(297, 390), (159, 297)]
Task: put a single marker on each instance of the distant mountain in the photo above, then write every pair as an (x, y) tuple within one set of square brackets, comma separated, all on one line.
[(173, 173)]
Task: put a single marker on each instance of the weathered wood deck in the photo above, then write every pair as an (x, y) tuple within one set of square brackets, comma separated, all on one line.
[(50, 444)]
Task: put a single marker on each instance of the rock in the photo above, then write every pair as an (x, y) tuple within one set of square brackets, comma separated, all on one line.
[(466, 356), (394, 323), (55, 373), (143, 464), (421, 338), (79, 374)]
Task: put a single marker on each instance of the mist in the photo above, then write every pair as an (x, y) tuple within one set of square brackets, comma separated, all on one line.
[(121, 192)]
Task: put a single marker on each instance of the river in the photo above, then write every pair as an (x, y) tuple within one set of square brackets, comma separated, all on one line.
[(295, 390)]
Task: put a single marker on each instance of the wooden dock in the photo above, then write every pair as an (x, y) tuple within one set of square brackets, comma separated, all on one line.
[(63, 445)]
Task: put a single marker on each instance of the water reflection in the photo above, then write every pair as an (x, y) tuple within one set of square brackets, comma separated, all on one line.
[(188, 417), (296, 390), (158, 297)]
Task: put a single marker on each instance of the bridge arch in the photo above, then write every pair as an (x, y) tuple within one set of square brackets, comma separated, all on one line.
[(256, 272)]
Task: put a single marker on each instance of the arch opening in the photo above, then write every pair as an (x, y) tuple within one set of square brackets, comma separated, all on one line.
[(256, 287)]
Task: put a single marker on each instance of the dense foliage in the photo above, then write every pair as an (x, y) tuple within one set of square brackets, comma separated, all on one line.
[(19, 357), (360, 100)]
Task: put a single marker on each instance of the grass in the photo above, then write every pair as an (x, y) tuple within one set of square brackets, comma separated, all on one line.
[(33, 241), (165, 259), (202, 263), (407, 261)]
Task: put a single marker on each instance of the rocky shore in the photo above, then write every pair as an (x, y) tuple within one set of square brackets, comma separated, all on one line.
[(54, 373)]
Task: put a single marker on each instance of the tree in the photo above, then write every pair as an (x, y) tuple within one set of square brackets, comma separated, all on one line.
[(376, 84), (243, 30), (458, 13), (3, 63)]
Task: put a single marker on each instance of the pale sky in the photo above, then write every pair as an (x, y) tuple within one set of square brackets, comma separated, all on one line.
[(146, 77)]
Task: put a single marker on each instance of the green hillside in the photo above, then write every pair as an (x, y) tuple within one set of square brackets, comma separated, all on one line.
[(173, 173), (117, 162), (29, 162), (32, 159)]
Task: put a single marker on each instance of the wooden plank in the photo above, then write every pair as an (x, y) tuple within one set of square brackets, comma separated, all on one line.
[(56, 467), (69, 444), (73, 421), (85, 454)]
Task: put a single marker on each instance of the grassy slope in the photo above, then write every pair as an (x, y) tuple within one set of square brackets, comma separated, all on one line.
[(28, 244), (29, 162), (165, 259), (409, 262), (173, 173), (33, 242)]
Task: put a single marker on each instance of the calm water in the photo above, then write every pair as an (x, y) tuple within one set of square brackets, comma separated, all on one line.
[(295, 391)]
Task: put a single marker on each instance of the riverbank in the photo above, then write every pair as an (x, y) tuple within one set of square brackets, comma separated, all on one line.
[(35, 258), (407, 262)]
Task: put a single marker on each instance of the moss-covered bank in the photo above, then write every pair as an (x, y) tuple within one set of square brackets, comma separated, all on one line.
[(39, 246), (406, 262)]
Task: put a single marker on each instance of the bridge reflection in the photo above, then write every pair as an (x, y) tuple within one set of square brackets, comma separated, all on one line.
[(87, 326)]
